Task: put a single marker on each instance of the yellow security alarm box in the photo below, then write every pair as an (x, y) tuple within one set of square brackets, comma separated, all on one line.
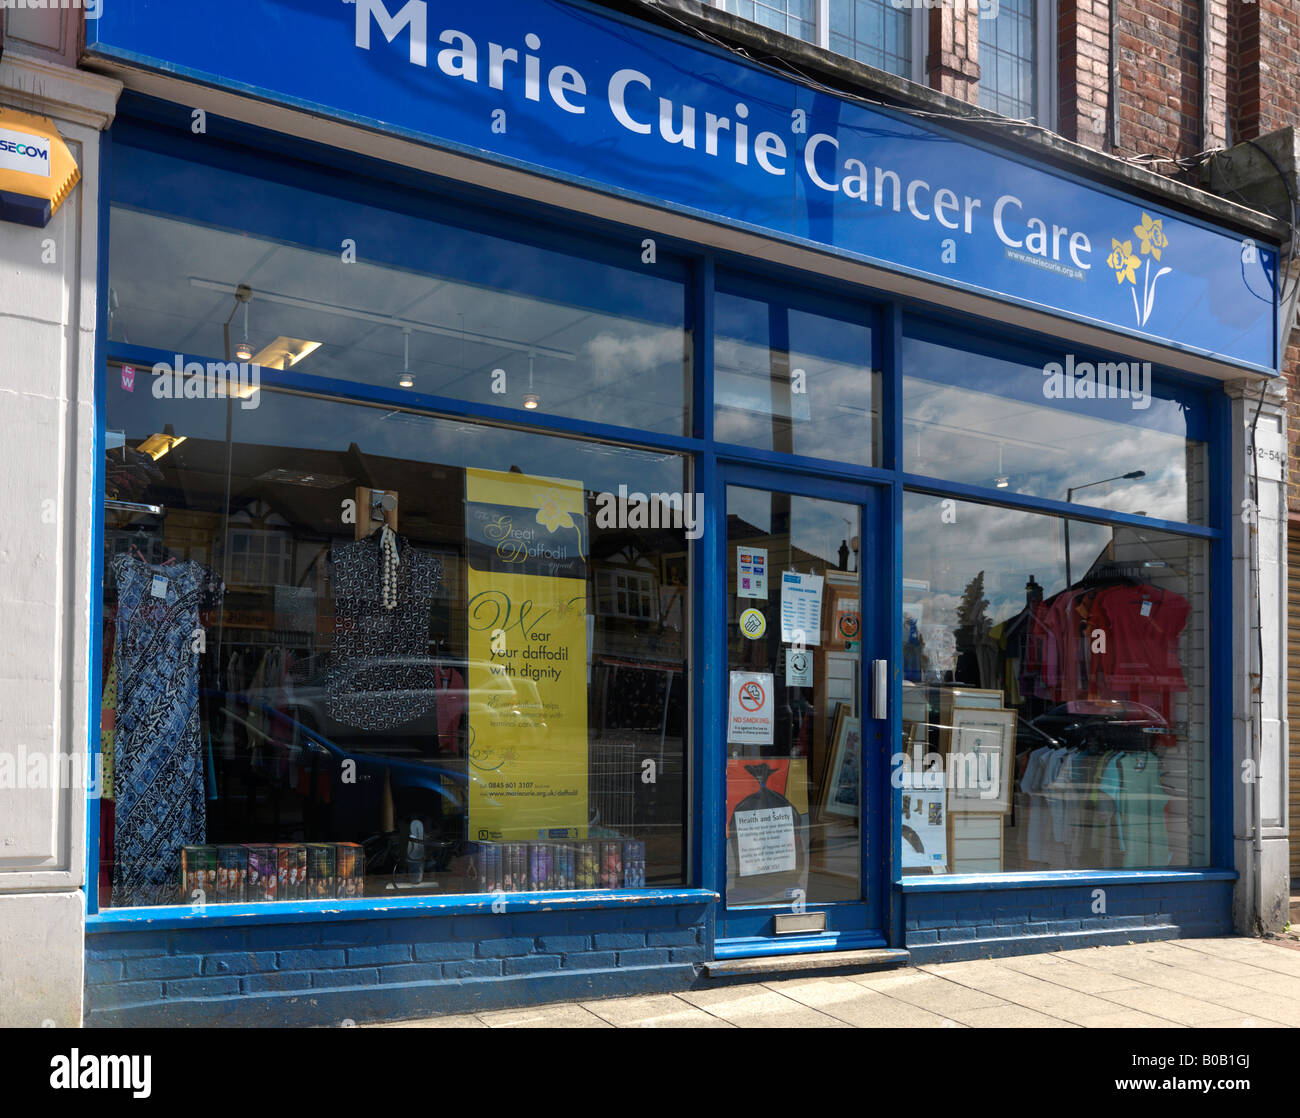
[(37, 171)]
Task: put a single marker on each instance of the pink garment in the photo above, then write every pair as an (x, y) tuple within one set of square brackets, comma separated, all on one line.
[(451, 706)]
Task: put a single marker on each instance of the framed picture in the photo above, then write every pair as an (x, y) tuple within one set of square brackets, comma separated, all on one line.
[(953, 698), (673, 568), (842, 787), (979, 760)]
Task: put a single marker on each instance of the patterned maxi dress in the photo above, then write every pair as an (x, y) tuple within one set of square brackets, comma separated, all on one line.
[(157, 759)]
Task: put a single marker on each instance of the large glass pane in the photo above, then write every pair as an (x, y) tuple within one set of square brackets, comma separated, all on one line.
[(875, 32), (491, 698), (1008, 57), (790, 17), (989, 414), (1055, 702), (794, 752), (455, 306), (800, 378)]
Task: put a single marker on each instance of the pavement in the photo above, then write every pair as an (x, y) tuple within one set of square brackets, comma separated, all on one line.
[(1192, 983)]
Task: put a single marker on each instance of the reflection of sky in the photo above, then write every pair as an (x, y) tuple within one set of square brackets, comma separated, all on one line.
[(975, 437), (598, 342), (832, 419)]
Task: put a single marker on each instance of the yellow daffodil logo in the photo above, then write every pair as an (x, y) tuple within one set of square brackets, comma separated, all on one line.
[(1121, 258), (1151, 240), (1152, 235), (555, 509)]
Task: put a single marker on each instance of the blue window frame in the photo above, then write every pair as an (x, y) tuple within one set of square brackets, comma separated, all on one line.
[(147, 124)]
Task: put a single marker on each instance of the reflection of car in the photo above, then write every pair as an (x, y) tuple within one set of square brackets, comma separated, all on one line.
[(344, 788), (345, 773), (370, 680), (1105, 723)]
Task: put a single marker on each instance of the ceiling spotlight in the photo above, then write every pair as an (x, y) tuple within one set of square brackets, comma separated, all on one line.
[(243, 296), (406, 379), (1003, 481), (531, 400)]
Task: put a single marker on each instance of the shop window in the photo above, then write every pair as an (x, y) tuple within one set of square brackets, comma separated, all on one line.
[(349, 652), (1055, 703), (1092, 429), (455, 305), (800, 378)]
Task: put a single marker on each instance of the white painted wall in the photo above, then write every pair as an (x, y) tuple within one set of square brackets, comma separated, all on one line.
[(1259, 606), (47, 324)]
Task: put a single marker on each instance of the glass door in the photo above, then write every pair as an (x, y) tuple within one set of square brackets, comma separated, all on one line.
[(803, 754)]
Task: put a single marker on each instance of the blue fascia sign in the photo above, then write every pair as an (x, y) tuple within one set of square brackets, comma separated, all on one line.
[(579, 94)]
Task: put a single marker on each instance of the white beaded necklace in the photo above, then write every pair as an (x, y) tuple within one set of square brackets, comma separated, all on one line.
[(388, 567)]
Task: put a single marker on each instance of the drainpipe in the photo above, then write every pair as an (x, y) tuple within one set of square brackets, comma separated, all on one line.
[(1204, 66), (1113, 98)]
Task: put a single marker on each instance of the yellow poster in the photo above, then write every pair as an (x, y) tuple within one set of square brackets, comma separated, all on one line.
[(526, 543)]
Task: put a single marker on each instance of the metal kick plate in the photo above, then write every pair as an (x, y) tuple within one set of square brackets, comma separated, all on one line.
[(790, 923)]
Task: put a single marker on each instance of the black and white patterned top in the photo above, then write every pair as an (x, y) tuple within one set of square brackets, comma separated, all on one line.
[(381, 673)]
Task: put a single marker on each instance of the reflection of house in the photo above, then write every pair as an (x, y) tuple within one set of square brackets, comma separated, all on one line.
[(638, 655), (270, 549)]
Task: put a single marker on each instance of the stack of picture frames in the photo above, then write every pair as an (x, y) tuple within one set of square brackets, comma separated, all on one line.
[(977, 739)]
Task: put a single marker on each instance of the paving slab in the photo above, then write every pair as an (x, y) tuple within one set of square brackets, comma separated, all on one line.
[(1199, 962), (566, 1015), (1169, 1004), (1009, 1017), (1120, 1018), (757, 1007), (1025, 990), (939, 995), (857, 1005), (1077, 1008), (1269, 1007), (453, 1021), (654, 1011), (1074, 976)]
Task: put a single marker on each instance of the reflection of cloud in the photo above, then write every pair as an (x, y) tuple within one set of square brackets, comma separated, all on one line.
[(613, 356), (1044, 451)]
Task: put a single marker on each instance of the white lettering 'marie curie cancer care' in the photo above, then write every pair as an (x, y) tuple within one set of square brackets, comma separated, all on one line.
[(721, 132)]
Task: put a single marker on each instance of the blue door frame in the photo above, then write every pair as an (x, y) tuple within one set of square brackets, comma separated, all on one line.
[(749, 930)]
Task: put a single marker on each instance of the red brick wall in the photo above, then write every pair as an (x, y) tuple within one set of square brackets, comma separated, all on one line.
[(1083, 70), (952, 64)]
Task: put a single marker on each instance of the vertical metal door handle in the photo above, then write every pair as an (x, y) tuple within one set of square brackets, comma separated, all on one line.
[(879, 688)]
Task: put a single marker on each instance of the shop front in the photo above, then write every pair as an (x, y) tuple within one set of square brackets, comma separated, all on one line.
[(578, 510)]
